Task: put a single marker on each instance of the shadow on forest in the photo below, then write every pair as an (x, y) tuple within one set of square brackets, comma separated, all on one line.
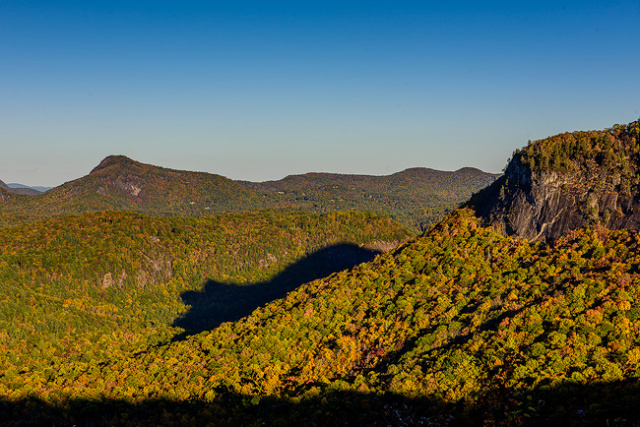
[(611, 404), (221, 302)]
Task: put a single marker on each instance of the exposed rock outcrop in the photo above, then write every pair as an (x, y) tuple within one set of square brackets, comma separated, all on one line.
[(567, 182), (124, 174), (4, 195), (130, 184)]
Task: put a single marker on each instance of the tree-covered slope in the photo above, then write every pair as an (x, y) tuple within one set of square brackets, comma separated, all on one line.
[(119, 183), (463, 325), (459, 326), (96, 287), (416, 197)]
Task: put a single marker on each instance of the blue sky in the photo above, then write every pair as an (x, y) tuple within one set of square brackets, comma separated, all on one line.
[(260, 90)]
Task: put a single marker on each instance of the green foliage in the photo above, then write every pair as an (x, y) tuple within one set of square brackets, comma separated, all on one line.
[(76, 292), (416, 197), (589, 152), (480, 326)]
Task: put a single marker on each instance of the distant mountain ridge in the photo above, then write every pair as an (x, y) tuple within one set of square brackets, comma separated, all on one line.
[(38, 188), (417, 176), (10, 188), (416, 197), (120, 183), (137, 184)]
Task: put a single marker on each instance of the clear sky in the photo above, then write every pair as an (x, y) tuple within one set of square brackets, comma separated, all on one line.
[(261, 89)]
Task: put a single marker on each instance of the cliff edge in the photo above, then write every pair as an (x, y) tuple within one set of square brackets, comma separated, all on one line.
[(565, 182)]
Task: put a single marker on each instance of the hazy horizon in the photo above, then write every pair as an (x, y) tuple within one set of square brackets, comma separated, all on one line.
[(255, 91)]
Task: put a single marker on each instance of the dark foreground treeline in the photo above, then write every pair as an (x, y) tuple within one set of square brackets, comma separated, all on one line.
[(600, 404)]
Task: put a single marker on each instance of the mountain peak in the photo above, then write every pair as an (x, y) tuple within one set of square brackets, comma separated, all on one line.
[(468, 169), (114, 160)]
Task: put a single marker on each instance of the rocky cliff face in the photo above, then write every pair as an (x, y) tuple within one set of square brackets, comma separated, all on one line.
[(566, 182)]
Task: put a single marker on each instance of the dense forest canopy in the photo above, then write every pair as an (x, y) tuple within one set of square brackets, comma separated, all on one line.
[(456, 318), (284, 317), (617, 147)]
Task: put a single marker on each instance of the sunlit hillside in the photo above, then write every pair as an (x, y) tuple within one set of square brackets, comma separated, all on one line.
[(415, 197), (286, 317)]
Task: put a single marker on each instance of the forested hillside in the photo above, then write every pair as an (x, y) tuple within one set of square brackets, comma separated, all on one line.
[(459, 326), (285, 317), (416, 197), (97, 287)]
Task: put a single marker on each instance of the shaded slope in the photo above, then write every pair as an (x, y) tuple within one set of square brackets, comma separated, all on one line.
[(618, 402), (25, 190), (566, 182)]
